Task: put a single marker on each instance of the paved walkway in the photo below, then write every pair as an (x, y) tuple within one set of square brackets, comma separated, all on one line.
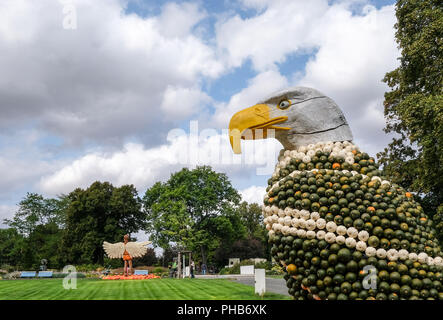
[(272, 285)]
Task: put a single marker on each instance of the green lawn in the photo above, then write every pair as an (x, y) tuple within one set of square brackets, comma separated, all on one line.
[(153, 289)]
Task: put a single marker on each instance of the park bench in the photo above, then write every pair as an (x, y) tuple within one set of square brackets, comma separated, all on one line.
[(45, 274), (27, 274), (141, 272)]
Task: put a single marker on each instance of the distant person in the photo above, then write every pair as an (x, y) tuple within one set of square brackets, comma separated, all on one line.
[(174, 268), (192, 269), (204, 268)]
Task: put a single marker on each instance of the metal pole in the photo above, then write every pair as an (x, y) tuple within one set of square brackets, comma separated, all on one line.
[(190, 261), (184, 264)]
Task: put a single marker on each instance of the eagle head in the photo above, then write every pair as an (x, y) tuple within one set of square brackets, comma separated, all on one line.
[(298, 115)]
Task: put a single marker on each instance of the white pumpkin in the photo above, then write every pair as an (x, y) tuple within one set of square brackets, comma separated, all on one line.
[(361, 246), (341, 230), (331, 226), (305, 214), (370, 251), (330, 237), (301, 233), (403, 254), (321, 223), (310, 224), (350, 242), (310, 234), (363, 235), (392, 254), (381, 253), (413, 256), (340, 239), (422, 257), (352, 232), (321, 235), (315, 216)]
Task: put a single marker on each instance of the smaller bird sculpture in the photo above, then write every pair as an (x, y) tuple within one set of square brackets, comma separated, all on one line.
[(126, 250)]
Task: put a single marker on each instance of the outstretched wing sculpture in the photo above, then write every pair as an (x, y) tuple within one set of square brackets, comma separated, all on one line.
[(135, 249)]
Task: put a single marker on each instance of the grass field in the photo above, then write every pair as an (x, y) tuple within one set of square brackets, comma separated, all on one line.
[(154, 289)]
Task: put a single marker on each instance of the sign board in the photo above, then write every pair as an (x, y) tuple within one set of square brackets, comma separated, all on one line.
[(247, 270)]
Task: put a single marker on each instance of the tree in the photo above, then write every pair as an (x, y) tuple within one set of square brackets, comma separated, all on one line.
[(11, 247), (414, 105), (245, 248), (252, 218), (168, 255), (194, 209), (38, 220), (99, 213), (254, 244), (43, 243), (35, 210), (149, 259)]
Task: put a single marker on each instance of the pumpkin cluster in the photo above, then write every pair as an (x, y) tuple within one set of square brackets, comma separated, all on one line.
[(131, 277), (334, 222)]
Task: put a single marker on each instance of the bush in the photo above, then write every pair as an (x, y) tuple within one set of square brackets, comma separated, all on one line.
[(159, 270), (235, 269), (87, 267), (92, 275), (112, 263), (8, 268), (267, 265), (63, 275), (275, 270), (12, 275)]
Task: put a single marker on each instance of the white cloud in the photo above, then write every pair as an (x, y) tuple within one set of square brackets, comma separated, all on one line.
[(22, 162), (141, 166), (284, 27), (253, 194), (103, 81), (181, 103), (256, 4), (177, 20), (354, 54)]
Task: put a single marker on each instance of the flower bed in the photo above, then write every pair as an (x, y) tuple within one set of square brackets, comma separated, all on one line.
[(132, 277)]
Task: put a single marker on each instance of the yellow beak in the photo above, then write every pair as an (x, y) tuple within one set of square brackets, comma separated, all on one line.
[(252, 118)]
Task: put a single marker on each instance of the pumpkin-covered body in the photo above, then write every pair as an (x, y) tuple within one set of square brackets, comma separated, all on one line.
[(341, 231)]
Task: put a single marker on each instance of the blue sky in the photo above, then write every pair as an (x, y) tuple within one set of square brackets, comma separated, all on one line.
[(97, 101)]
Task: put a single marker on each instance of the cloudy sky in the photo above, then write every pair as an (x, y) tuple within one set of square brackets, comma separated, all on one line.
[(98, 90)]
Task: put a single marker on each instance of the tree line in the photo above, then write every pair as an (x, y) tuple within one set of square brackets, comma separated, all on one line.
[(197, 210), (413, 107)]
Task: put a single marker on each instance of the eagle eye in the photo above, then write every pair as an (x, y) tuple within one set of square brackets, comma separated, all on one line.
[(284, 104)]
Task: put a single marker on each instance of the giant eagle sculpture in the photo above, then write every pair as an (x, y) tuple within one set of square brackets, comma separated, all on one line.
[(338, 227)]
